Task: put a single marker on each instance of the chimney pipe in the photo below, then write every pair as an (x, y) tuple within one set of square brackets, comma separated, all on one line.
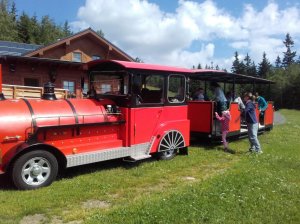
[(1, 94), (49, 91)]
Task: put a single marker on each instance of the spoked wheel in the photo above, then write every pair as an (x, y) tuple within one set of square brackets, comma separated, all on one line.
[(34, 169), (169, 145)]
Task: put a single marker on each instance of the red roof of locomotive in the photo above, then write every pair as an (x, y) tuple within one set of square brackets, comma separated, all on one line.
[(139, 66)]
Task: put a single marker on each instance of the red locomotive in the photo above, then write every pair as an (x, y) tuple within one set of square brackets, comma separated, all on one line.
[(134, 111)]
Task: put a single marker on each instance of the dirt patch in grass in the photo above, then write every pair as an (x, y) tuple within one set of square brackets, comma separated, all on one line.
[(189, 178), (34, 219), (95, 204), (58, 220)]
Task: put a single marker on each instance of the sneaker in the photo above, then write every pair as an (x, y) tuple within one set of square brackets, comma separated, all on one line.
[(259, 152), (251, 150)]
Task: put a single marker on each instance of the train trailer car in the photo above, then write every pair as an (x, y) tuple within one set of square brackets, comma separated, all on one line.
[(134, 111), (201, 113)]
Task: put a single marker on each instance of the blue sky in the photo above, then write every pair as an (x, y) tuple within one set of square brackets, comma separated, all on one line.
[(181, 32)]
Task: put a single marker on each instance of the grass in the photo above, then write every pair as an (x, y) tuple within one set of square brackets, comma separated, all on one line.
[(208, 186)]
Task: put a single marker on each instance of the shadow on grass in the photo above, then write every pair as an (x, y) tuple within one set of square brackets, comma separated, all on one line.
[(101, 166), (5, 183), (69, 173)]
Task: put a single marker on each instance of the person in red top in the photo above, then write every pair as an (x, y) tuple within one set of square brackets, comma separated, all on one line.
[(225, 119)]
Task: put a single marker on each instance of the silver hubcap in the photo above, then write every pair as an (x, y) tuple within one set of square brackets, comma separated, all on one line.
[(36, 171), (171, 141)]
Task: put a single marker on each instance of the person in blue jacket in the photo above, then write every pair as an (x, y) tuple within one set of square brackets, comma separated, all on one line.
[(262, 103), (252, 123), (262, 106)]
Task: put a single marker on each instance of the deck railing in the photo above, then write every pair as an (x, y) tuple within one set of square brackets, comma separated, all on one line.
[(17, 92)]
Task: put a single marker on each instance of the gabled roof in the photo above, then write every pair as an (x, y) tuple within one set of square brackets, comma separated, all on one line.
[(14, 48), (88, 31)]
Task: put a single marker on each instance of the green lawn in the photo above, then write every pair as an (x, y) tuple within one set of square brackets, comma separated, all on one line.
[(208, 186)]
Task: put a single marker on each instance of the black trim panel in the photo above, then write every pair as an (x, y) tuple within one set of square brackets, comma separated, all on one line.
[(74, 110), (31, 112)]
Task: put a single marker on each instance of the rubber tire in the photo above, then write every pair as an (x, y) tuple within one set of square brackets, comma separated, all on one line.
[(20, 162), (162, 156)]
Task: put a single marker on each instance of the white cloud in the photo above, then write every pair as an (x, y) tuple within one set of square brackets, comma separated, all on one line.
[(142, 29)]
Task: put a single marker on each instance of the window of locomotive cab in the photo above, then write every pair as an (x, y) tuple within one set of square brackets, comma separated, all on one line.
[(148, 89), (176, 89), (110, 83)]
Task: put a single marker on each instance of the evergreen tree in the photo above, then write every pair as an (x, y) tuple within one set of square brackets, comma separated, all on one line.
[(247, 64), (66, 29), (24, 27), (13, 12), (100, 33), (237, 66), (199, 66), (217, 67), (264, 67), (289, 55), (8, 30), (49, 32), (252, 70), (35, 31), (139, 60), (278, 62)]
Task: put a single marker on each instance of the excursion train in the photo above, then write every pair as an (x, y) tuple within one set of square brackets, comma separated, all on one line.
[(133, 111)]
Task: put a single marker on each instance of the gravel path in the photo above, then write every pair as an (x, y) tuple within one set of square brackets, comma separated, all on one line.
[(279, 118)]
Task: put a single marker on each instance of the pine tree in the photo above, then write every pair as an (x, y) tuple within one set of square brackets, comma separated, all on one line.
[(237, 66), (289, 55), (23, 27), (247, 64), (199, 66), (278, 62), (252, 70), (217, 67), (8, 30), (100, 33), (13, 12), (264, 67), (35, 30), (66, 29)]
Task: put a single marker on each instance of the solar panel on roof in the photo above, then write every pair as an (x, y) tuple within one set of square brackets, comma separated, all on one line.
[(13, 48)]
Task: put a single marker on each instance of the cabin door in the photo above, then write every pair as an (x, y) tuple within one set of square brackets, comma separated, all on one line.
[(146, 120)]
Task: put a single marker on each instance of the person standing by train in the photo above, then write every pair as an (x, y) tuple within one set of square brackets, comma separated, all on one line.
[(262, 106), (220, 98), (252, 123), (224, 119)]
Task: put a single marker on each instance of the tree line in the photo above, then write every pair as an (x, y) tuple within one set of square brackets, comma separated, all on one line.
[(285, 71), (28, 29)]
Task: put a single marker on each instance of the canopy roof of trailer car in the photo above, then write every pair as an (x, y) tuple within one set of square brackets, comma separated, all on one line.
[(221, 76), (121, 65)]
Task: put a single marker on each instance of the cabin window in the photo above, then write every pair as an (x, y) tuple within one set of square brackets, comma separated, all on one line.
[(176, 89), (96, 57), (77, 57), (148, 88), (69, 85), (112, 83)]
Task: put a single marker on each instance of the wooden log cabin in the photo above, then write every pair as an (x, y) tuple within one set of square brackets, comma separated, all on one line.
[(26, 67)]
